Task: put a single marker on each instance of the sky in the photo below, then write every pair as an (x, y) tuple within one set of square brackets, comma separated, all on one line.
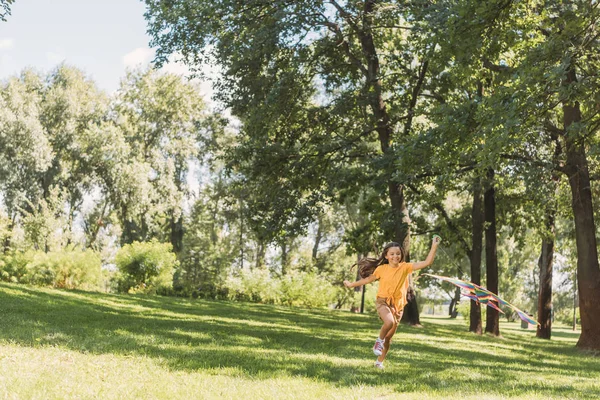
[(101, 37)]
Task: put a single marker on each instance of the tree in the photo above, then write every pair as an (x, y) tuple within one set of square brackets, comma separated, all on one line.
[(323, 89), (163, 120), (45, 119), (557, 47), (5, 8), (23, 143), (548, 53)]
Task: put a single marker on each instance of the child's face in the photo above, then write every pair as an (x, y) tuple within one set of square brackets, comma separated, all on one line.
[(394, 255)]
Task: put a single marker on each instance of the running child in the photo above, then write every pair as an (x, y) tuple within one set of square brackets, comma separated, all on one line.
[(393, 274)]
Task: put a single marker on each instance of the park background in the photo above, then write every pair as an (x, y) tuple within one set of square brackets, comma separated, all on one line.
[(254, 151)]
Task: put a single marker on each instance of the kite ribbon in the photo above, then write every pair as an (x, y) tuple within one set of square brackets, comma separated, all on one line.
[(484, 296)]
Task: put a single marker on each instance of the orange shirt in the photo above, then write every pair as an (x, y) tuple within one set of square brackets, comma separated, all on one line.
[(393, 283)]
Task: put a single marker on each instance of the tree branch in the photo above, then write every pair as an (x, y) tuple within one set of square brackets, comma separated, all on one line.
[(347, 17), (453, 227), (335, 28), (495, 67), (415, 95)]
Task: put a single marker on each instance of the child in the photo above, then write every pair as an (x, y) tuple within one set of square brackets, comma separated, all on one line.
[(393, 273)]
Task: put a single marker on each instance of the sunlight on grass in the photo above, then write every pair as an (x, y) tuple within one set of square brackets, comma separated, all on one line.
[(70, 344)]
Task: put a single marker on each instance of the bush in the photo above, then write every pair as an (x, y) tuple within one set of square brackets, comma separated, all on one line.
[(565, 316), (464, 309), (68, 268), (13, 266), (146, 267), (306, 289), (298, 288), (256, 285)]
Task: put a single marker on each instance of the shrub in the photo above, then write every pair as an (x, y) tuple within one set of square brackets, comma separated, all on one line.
[(464, 309), (67, 268), (255, 285), (565, 316), (297, 288), (146, 267), (307, 289), (13, 266)]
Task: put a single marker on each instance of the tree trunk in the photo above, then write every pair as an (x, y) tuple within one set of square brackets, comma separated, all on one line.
[(318, 237), (7, 243), (475, 324), (385, 130), (411, 310), (260, 254), (453, 310), (130, 231), (241, 244), (544, 330), (575, 302), (588, 271), (176, 233), (284, 257), (492, 323)]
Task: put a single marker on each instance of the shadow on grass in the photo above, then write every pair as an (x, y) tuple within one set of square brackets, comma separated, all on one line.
[(262, 341)]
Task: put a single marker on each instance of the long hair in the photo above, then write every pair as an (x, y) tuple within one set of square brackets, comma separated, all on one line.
[(367, 265)]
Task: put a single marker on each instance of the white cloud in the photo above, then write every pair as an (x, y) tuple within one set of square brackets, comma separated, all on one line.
[(140, 56), (6, 44)]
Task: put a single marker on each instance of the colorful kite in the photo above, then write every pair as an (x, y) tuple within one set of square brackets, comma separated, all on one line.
[(484, 296)]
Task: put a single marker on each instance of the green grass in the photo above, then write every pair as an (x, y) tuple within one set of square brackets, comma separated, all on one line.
[(78, 345)]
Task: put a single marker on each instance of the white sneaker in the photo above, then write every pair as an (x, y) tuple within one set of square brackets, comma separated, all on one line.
[(378, 347), (379, 365)]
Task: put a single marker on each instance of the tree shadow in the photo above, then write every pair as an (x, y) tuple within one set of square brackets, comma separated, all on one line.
[(264, 341)]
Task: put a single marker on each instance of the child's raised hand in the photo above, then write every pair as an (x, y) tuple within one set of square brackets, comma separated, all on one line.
[(437, 239)]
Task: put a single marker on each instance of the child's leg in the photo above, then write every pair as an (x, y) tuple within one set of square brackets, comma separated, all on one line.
[(388, 339), (387, 316)]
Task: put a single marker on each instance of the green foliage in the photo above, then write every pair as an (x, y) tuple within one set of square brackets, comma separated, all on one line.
[(5, 9), (163, 121), (211, 244), (67, 268), (564, 314), (146, 267), (13, 267), (464, 309), (298, 288), (255, 285), (305, 289), (318, 96)]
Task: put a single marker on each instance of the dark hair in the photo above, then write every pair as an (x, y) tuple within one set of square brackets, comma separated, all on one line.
[(367, 265)]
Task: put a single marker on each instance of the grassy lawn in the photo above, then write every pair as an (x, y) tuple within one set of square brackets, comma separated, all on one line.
[(77, 345)]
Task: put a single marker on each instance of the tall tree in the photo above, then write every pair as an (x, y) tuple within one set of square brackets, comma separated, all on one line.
[(550, 52), (323, 88), (163, 119), (491, 258), (47, 118)]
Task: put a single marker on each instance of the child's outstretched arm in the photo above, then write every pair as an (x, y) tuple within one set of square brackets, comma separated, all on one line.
[(360, 282), (429, 260)]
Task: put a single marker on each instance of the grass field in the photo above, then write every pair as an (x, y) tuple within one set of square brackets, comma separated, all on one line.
[(78, 345)]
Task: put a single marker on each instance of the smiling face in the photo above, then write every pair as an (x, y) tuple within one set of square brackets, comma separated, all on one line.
[(394, 255)]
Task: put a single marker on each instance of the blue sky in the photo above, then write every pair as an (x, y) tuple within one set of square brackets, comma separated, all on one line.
[(101, 37)]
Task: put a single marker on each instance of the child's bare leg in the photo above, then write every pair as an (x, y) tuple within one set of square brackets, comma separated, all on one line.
[(388, 339), (388, 321)]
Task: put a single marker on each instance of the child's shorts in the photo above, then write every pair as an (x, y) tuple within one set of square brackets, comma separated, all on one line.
[(384, 309)]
